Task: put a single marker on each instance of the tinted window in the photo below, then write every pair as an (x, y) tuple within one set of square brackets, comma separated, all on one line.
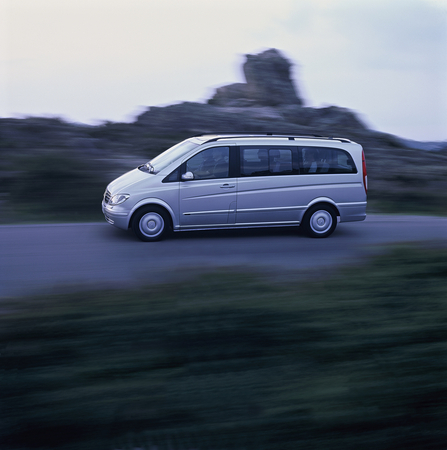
[(260, 161), (211, 163), (326, 160), (174, 176)]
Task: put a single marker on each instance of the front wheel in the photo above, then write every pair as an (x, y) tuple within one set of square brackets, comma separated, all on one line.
[(320, 221), (150, 224)]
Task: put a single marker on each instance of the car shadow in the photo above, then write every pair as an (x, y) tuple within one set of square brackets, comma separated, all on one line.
[(246, 233)]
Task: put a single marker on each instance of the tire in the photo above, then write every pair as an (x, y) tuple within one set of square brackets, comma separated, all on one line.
[(151, 224), (320, 221)]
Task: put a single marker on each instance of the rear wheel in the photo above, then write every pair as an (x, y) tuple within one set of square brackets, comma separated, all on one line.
[(151, 224), (320, 221)]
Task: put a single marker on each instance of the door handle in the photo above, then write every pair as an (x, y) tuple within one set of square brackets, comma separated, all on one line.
[(227, 186)]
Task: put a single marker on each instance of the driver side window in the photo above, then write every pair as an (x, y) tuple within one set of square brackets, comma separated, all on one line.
[(209, 164)]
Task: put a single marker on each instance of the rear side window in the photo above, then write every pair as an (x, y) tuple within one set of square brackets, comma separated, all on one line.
[(320, 160), (262, 161)]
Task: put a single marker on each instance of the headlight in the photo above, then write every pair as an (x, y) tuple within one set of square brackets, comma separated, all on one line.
[(118, 199)]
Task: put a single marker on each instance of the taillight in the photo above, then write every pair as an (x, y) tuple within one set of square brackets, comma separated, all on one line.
[(365, 175)]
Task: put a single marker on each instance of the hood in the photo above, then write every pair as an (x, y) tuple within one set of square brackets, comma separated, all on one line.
[(124, 182)]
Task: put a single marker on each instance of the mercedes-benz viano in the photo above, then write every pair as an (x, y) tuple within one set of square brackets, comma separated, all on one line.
[(242, 181)]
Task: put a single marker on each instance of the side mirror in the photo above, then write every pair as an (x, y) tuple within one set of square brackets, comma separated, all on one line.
[(187, 176)]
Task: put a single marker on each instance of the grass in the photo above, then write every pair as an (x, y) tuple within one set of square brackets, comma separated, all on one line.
[(413, 204), (229, 361)]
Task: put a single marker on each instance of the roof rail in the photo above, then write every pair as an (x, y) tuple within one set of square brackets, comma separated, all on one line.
[(256, 133), (291, 136)]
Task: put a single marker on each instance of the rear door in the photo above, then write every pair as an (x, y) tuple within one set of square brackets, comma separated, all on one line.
[(267, 187)]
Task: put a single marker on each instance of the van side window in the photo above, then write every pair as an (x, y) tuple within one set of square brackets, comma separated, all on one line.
[(211, 163), (324, 160), (263, 161)]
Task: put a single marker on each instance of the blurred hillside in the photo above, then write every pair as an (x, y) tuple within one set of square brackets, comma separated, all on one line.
[(52, 170)]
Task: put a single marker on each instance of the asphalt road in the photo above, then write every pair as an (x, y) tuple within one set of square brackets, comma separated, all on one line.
[(50, 258)]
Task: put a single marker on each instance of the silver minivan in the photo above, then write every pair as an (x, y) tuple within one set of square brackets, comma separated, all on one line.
[(242, 181)]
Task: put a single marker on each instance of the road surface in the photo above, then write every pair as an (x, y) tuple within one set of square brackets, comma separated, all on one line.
[(48, 258)]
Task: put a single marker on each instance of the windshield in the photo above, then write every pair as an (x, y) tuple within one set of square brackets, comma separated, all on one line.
[(172, 154)]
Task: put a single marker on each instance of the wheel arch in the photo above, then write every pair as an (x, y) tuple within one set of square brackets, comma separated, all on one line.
[(323, 201), (152, 202)]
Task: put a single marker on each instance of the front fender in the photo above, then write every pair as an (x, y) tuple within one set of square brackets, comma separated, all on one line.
[(154, 201)]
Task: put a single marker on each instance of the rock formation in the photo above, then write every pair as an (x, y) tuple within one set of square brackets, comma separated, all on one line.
[(268, 83), (268, 101)]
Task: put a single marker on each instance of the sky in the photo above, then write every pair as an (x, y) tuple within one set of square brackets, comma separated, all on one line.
[(92, 61)]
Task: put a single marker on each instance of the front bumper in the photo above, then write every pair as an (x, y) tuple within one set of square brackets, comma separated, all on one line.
[(115, 217)]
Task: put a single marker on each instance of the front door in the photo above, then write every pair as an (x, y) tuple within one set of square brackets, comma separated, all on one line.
[(208, 199)]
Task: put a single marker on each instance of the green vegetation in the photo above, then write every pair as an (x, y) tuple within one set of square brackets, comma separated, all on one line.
[(231, 361), (54, 186), (407, 181), (54, 171)]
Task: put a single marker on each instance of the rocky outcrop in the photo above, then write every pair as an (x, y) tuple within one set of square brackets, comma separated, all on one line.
[(268, 83), (268, 101), (232, 95), (268, 79), (192, 118)]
